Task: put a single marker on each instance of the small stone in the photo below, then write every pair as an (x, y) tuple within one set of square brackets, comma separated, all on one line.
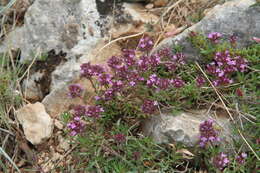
[(58, 124), (160, 3), (37, 124), (63, 144), (56, 156), (32, 90), (149, 6)]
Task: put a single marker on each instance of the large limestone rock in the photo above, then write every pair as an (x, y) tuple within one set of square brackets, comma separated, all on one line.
[(233, 17), (37, 124), (59, 25), (184, 127)]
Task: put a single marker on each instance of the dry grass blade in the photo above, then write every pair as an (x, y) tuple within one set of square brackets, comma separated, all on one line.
[(9, 5), (118, 39), (227, 109), (9, 159)]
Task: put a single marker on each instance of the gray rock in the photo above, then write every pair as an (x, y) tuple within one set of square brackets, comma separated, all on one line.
[(184, 127), (58, 101), (37, 124), (233, 17), (58, 25), (32, 90)]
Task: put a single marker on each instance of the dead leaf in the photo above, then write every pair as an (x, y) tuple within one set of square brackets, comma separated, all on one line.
[(148, 163), (175, 31), (160, 3), (185, 153), (149, 6)]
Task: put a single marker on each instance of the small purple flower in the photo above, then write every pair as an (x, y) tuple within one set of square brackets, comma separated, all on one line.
[(117, 85), (104, 79), (109, 94), (154, 60), (214, 37), (129, 57), (134, 77), (149, 106), (94, 111), (179, 59), (241, 158), (145, 44), (97, 98), (177, 83), (152, 80), (79, 110), (200, 81), (120, 138), (143, 63), (165, 53), (75, 90), (87, 70), (207, 133), (132, 83), (233, 39), (171, 66), (122, 71), (163, 84), (76, 126), (114, 62), (221, 161)]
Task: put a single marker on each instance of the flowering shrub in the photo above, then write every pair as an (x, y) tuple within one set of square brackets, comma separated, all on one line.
[(208, 133), (224, 66), (241, 158), (221, 161), (139, 83), (145, 77)]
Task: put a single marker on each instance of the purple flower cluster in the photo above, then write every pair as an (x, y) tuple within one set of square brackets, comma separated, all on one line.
[(104, 79), (79, 110), (200, 81), (87, 70), (223, 67), (126, 72), (177, 83), (241, 158), (221, 161), (94, 111), (76, 126), (214, 37), (75, 90), (149, 106), (207, 133), (114, 62), (162, 83), (120, 138), (145, 44), (179, 58)]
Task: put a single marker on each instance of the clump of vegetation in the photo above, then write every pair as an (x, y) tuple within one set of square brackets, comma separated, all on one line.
[(138, 84), (10, 100)]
